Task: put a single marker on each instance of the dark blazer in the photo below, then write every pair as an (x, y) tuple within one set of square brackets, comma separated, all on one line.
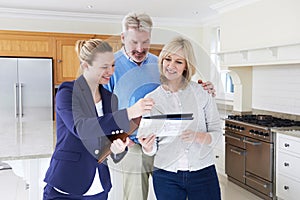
[(80, 135)]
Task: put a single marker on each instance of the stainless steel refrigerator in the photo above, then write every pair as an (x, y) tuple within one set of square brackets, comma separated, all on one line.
[(25, 90)]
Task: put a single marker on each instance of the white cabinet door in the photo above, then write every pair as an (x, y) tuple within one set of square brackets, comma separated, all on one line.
[(219, 158), (287, 188), (288, 143), (288, 165)]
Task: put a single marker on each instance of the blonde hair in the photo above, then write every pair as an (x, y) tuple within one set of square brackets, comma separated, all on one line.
[(139, 21), (87, 49), (179, 43)]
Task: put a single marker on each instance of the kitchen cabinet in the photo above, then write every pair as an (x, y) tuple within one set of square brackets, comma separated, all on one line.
[(58, 46), (113, 40), (25, 44), (287, 165), (66, 63), (219, 152), (155, 49)]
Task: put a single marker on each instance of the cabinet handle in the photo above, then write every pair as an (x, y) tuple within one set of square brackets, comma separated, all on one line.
[(233, 137), (254, 143), (59, 61), (256, 181), (21, 114), (286, 145), (16, 99), (240, 153), (286, 187), (286, 164), (217, 156)]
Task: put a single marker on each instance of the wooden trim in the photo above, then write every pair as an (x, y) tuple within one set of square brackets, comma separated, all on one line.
[(26, 45), (54, 34)]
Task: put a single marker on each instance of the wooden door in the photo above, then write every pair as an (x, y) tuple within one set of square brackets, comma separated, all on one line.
[(155, 49), (66, 62)]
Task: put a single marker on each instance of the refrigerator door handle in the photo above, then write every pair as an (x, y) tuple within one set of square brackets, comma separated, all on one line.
[(16, 92), (20, 100)]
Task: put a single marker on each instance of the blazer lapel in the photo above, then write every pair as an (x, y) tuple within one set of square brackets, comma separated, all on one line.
[(86, 94)]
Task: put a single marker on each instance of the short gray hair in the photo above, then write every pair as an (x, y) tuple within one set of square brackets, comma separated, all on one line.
[(139, 21)]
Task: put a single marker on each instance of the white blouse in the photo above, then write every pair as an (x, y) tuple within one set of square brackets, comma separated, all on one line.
[(171, 153)]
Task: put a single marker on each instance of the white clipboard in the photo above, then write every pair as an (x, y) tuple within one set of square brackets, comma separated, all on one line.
[(164, 125)]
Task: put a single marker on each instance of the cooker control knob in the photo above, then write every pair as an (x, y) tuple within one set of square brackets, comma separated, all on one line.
[(242, 128), (251, 131), (266, 134), (256, 132), (261, 133)]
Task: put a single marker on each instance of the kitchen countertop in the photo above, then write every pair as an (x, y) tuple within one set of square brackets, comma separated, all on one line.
[(292, 131), (27, 140), (224, 113)]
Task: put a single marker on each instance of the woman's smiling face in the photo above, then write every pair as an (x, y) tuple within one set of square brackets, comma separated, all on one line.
[(174, 66), (102, 68)]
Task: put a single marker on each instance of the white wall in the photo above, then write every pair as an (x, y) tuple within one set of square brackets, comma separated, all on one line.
[(62, 26), (209, 38), (277, 88), (261, 24), (161, 34), (267, 23)]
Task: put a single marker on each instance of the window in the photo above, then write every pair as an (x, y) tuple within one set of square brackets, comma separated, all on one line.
[(227, 82), (225, 76)]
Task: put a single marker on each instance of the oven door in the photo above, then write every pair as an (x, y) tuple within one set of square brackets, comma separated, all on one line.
[(259, 184), (235, 162), (259, 159)]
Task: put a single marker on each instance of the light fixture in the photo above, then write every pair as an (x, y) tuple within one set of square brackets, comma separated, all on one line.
[(90, 6)]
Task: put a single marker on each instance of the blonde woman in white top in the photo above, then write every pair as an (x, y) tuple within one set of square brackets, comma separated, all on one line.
[(183, 165)]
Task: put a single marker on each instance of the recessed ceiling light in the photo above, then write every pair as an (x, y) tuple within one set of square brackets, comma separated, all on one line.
[(196, 12), (90, 6)]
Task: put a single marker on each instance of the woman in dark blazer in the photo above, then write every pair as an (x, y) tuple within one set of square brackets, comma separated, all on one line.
[(86, 114)]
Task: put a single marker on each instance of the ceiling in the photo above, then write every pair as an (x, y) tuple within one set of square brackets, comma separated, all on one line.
[(191, 11)]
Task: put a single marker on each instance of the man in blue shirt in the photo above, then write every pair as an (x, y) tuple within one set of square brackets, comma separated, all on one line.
[(136, 74)]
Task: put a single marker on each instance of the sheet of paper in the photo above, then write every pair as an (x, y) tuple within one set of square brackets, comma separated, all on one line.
[(162, 127)]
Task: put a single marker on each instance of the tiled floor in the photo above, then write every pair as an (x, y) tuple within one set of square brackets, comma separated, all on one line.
[(231, 191)]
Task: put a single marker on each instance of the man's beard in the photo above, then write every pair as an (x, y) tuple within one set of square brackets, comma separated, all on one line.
[(138, 54)]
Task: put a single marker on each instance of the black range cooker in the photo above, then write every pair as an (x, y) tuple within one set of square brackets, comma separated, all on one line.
[(249, 156)]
